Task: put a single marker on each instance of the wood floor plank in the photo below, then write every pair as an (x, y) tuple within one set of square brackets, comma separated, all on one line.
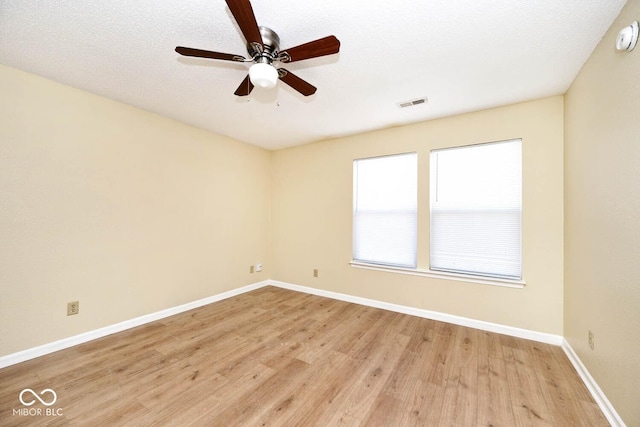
[(494, 397), (426, 409), (275, 357), (386, 411), (372, 378), (528, 407), (319, 403), (250, 408), (461, 396)]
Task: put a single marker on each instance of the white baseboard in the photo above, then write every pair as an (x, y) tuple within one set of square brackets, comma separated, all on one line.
[(428, 314), (42, 350), (598, 395)]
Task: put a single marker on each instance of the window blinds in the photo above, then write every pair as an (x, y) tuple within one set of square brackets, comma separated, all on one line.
[(476, 209), (385, 210)]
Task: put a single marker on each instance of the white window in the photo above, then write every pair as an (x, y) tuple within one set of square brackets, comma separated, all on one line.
[(385, 210), (476, 209)]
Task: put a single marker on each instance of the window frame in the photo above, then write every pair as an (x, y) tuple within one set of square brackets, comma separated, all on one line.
[(518, 279), (415, 247)]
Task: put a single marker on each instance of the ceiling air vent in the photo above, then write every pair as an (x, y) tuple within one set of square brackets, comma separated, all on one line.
[(413, 102)]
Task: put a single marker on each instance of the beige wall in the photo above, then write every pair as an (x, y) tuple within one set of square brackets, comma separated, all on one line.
[(123, 210), (602, 223), (312, 216)]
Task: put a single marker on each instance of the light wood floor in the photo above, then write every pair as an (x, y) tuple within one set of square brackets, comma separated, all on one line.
[(275, 357)]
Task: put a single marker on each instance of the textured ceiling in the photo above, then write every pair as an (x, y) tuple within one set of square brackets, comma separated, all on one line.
[(464, 55)]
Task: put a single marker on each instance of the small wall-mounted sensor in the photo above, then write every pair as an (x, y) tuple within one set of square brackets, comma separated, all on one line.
[(628, 37)]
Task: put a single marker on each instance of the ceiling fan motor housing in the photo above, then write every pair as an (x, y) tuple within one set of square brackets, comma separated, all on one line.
[(271, 43)]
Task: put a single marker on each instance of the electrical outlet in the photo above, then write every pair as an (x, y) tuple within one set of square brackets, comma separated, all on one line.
[(73, 307), (251, 269), (592, 343), (315, 272), (258, 268)]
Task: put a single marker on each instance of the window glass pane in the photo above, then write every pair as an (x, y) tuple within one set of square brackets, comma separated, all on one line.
[(385, 210), (476, 209)]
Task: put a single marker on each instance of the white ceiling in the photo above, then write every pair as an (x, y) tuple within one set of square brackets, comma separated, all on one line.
[(464, 55)]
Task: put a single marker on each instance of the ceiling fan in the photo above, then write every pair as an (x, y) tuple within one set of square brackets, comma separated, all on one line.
[(263, 46)]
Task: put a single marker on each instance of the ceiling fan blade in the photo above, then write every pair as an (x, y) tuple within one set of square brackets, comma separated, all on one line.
[(296, 82), (321, 47), (199, 53), (243, 13), (245, 87)]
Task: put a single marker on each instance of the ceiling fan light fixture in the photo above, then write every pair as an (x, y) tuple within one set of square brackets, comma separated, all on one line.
[(263, 75)]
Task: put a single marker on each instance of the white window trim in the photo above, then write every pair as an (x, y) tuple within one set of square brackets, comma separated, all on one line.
[(508, 283)]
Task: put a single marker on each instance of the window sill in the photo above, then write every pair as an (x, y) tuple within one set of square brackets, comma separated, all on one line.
[(441, 275)]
